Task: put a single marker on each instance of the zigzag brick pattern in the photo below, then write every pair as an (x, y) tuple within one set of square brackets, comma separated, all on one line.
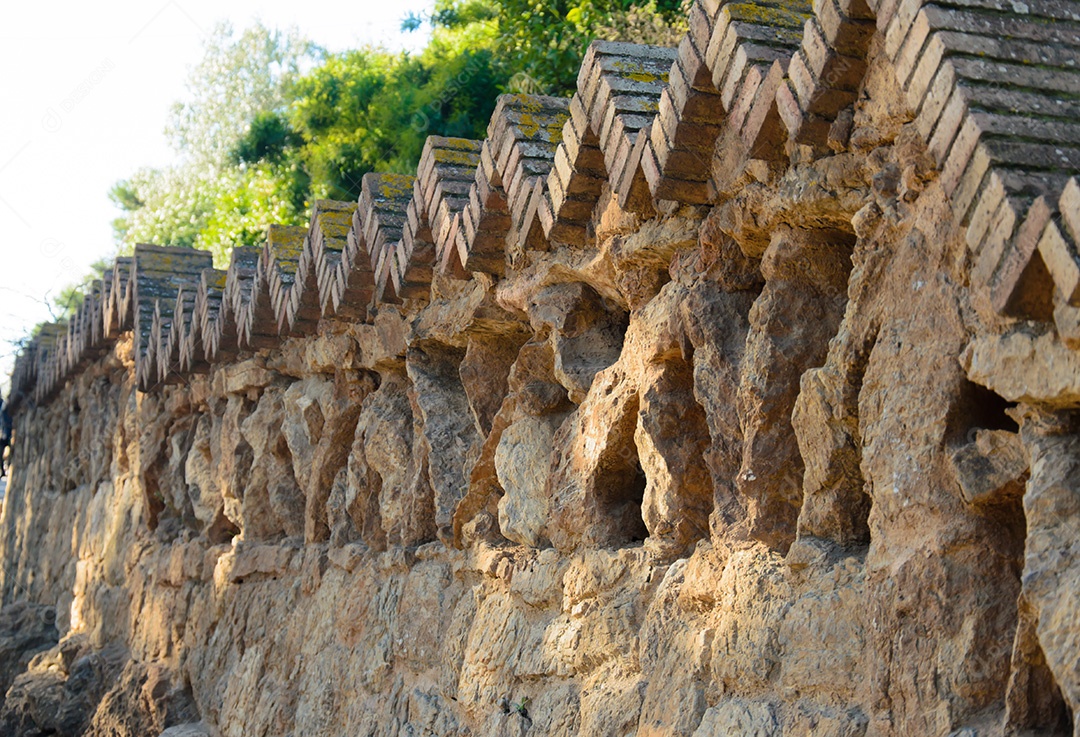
[(523, 136), (992, 91), (993, 97), (159, 274), (441, 192), (728, 71), (209, 298), (326, 241), (379, 221), (619, 91)]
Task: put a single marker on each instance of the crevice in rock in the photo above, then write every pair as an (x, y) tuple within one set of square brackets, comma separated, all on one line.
[(980, 408), (1034, 704), (448, 425), (620, 488), (791, 324)]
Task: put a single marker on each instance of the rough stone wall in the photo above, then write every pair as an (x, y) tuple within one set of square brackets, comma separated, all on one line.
[(744, 445)]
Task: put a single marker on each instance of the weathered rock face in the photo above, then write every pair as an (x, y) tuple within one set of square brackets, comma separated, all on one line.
[(774, 459)]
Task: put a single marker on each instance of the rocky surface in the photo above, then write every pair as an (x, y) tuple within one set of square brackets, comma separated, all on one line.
[(776, 464)]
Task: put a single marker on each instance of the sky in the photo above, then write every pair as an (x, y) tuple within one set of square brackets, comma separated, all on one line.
[(84, 99)]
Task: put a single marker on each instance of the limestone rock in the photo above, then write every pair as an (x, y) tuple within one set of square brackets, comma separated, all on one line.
[(791, 323), (990, 468), (25, 629), (735, 440), (1026, 366), (586, 333), (448, 427)]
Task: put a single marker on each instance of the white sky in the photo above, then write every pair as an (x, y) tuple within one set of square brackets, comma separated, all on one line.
[(85, 92)]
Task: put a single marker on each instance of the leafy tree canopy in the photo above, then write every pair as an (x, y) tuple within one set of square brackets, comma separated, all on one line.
[(271, 121)]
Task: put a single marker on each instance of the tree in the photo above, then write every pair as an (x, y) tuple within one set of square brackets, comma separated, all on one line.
[(241, 77), (368, 110), (272, 122), (543, 41), (214, 197)]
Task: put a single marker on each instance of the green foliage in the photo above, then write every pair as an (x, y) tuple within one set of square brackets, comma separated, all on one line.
[(67, 302), (368, 110), (544, 40), (233, 177), (272, 122), (241, 76), (213, 209), (268, 138)]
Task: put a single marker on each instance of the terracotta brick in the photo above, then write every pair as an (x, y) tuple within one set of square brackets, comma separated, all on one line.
[(814, 48), (1069, 208), (947, 126), (899, 26), (788, 108), (803, 80), (987, 256), (941, 89), (762, 128), (908, 56), (843, 72), (679, 89), (721, 52), (884, 10), (622, 161), (711, 7), (700, 24), (990, 200), (679, 190), (453, 259), (647, 160), (1059, 254), (960, 153), (612, 129), (970, 182), (1009, 284), (740, 64), (847, 35), (918, 83)]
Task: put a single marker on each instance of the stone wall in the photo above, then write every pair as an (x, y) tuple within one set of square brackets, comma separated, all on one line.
[(733, 396)]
